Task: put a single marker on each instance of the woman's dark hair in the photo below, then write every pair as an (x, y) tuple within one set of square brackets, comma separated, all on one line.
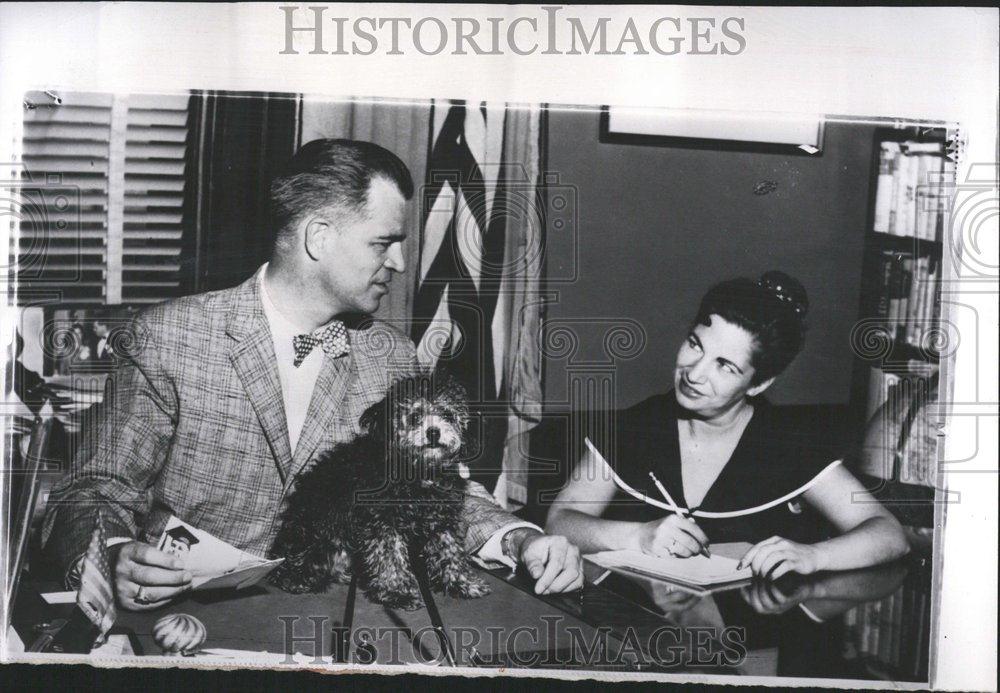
[(772, 309), (330, 172)]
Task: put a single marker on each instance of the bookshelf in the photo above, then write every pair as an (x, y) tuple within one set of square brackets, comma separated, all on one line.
[(899, 333), (898, 342), (889, 638)]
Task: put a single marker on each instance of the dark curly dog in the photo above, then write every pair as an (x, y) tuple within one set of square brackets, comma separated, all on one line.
[(397, 485)]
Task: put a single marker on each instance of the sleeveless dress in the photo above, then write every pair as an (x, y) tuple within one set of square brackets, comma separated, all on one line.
[(757, 493)]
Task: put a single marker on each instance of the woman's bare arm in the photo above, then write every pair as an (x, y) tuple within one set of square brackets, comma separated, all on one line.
[(576, 514), (576, 511), (870, 535)]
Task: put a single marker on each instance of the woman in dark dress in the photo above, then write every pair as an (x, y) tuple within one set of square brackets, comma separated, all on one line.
[(712, 461)]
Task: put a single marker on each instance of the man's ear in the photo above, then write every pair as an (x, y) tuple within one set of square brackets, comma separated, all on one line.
[(316, 235), (760, 387)]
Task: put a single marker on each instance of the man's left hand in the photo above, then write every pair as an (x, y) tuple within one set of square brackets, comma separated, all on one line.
[(553, 561)]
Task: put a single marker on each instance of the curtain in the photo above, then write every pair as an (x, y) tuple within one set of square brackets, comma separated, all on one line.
[(520, 308), (242, 142), (403, 129)]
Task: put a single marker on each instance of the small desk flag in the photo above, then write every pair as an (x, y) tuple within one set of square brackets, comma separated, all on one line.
[(96, 597)]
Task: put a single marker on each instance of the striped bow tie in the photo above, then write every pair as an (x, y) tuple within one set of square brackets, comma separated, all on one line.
[(333, 339)]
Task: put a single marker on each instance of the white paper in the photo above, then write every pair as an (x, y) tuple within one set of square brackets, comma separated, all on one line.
[(212, 562), (60, 597), (696, 570)]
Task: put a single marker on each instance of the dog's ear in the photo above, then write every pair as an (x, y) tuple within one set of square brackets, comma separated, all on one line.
[(452, 391), (472, 441), (374, 420)]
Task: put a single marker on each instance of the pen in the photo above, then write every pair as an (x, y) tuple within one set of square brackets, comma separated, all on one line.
[(666, 496)]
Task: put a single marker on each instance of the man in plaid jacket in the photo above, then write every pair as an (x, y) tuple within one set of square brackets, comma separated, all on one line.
[(223, 398)]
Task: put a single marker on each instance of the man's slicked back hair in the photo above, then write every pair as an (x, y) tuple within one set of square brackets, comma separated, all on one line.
[(331, 173)]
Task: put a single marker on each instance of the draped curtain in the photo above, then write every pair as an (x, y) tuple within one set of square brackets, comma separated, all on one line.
[(242, 140)]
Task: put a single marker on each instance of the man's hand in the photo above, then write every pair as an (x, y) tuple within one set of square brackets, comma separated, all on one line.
[(158, 575), (553, 562)]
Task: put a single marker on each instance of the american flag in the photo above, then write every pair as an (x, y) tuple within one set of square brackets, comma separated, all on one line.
[(455, 322), (96, 597)]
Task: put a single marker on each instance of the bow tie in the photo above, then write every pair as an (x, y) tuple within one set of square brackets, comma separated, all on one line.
[(333, 339)]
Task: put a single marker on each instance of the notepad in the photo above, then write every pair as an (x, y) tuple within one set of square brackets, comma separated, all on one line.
[(697, 570)]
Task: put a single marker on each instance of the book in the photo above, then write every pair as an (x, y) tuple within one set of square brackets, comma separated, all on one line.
[(888, 155), (898, 292), (885, 630), (903, 179), (921, 194), (914, 319), (937, 199), (897, 627), (905, 283), (877, 630), (946, 188), (885, 286)]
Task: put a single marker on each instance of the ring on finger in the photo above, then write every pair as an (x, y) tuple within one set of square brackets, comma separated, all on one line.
[(141, 597)]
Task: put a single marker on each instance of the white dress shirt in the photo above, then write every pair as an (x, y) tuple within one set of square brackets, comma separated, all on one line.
[(297, 384)]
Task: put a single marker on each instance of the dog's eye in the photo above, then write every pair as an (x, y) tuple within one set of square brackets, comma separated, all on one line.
[(412, 419)]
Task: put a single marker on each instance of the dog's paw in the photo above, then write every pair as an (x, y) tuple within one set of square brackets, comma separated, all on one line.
[(405, 602), (408, 601), (468, 586)]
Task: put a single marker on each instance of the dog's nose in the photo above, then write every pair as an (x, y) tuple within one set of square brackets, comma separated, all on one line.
[(433, 435)]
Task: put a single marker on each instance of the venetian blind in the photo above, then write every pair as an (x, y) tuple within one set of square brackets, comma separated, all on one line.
[(61, 201)]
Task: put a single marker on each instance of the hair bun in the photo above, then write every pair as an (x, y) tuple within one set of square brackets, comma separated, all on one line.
[(786, 289)]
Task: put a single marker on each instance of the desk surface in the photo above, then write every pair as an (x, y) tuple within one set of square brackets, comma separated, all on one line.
[(621, 624)]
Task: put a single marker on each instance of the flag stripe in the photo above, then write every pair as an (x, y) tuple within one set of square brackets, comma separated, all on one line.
[(436, 226), (96, 596), (463, 241)]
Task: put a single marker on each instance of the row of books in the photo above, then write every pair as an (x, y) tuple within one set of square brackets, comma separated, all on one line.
[(898, 401), (912, 190), (894, 631), (909, 296)]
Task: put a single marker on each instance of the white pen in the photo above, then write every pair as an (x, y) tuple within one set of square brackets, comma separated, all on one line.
[(666, 496)]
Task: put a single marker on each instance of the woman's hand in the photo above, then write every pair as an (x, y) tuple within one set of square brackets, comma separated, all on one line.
[(776, 556), (765, 597), (672, 600), (674, 535)]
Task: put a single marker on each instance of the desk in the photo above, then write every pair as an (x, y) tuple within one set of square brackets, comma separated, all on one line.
[(611, 626)]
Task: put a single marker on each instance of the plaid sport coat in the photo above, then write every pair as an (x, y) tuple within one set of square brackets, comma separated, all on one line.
[(193, 425)]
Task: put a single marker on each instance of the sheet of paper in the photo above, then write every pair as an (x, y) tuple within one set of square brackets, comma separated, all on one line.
[(239, 578), (696, 570), (60, 597), (212, 562)]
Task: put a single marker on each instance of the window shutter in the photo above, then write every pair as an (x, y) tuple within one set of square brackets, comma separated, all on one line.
[(61, 202), (101, 202), (155, 154)]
